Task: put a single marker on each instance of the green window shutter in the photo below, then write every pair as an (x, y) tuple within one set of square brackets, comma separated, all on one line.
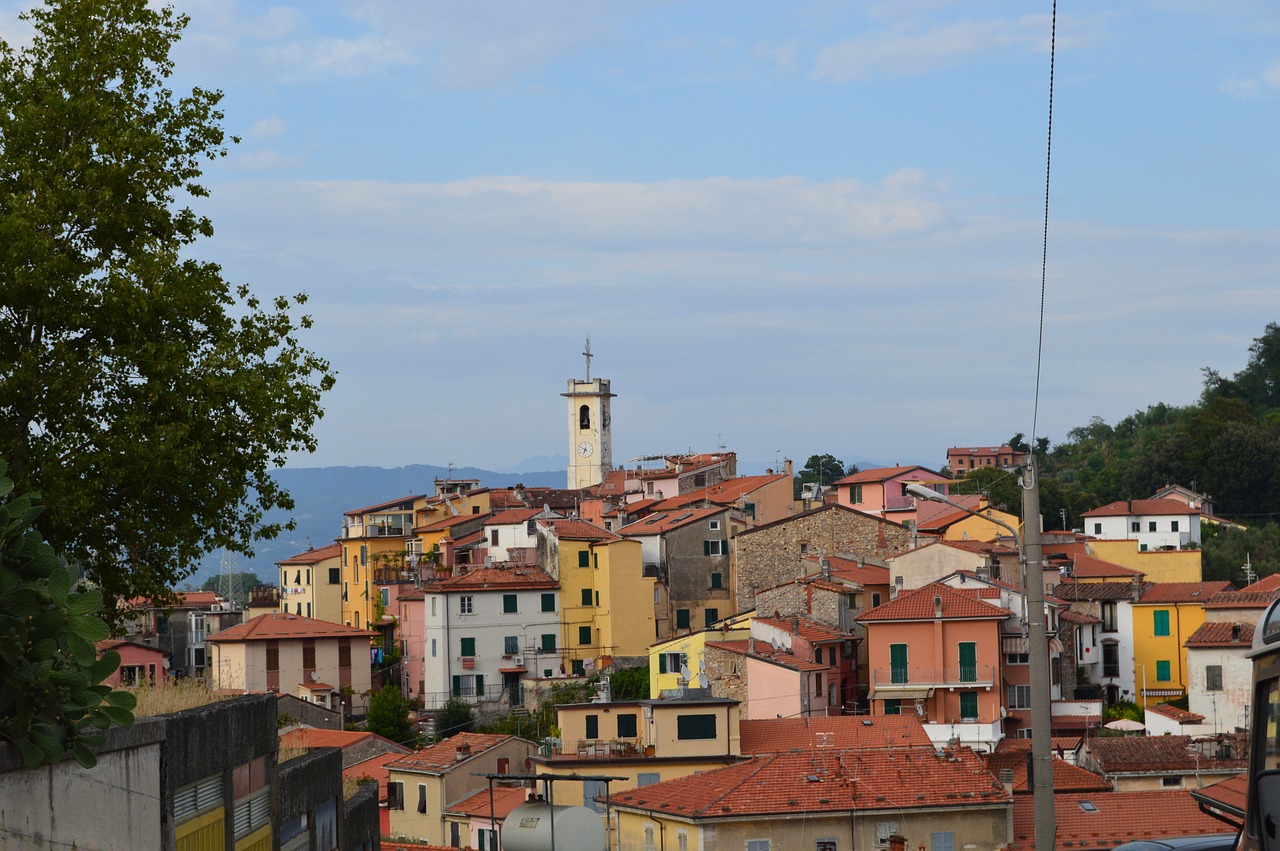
[(968, 663), (593, 726), (509, 604), (626, 725), (717, 580), (898, 663), (662, 663), (1160, 618), (548, 602), (710, 616), (479, 685), (968, 704), (584, 559), (586, 596), (682, 618), (584, 635), (468, 647), (1162, 672), (457, 686), (706, 548), (893, 707), (549, 642)]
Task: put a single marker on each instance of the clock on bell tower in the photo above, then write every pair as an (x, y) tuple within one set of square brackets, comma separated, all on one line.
[(590, 435)]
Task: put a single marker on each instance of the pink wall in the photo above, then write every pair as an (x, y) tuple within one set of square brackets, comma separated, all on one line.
[(150, 659), (933, 657), (412, 635)]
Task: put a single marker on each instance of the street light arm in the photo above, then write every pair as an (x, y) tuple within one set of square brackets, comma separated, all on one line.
[(921, 492)]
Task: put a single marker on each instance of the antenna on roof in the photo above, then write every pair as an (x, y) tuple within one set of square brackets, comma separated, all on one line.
[(546, 511)]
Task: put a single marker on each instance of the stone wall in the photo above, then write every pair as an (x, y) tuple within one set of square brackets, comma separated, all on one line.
[(727, 672), (360, 831), (772, 554)]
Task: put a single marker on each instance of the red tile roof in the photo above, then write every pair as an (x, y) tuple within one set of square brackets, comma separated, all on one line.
[(665, 521), (1242, 599), (1088, 567), (277, 625), (578, 530), (881, 474), (1173, 713), (495, 579), (867, 573), (918, 604), (1135, 507), (513, 516), (449, 521), (1213, 634), (314, 556), (1077, 617), (1094, 591), (406, 501), (775, 735), (1181, 592), (723, 493), (1115, 818), (1170, 754), (810, 630), (476, 805), (1066, 777), (1266, 583), (779, 784), (445, 754)]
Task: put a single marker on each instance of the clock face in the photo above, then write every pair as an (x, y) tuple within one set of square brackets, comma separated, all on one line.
[(585, 449)]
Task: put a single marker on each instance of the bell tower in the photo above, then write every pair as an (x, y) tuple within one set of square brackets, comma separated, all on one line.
[(590, 435)]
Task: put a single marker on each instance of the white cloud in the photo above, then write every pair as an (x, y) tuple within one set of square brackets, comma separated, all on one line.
[(265, 128), (1253, 87)]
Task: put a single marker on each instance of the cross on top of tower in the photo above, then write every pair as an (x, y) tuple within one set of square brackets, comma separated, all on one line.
[(587, 354)]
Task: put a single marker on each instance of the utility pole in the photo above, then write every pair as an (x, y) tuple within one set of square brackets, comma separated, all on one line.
[(1038, 650)]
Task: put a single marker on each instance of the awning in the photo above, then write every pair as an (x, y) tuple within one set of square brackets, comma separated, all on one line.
[(520, 670), (900, 693)]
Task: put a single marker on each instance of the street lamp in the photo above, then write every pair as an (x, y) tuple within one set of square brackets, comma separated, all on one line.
[(1029, 559)]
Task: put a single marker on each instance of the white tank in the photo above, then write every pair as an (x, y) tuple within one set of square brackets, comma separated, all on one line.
[(529, 828)]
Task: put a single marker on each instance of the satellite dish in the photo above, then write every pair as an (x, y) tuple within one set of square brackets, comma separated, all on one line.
[(703, 682), (315, 677), (684, 672), (774, 642), (546, 511)]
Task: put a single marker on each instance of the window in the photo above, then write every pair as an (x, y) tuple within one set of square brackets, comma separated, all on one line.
[(273, 658), (670, 663), (648, 778), (584, 417), (750, 509), (344, 653), (1135, 526), (493, 537), (1173, 525), (584, 558), (875, 599), (509, 606), (1151, 526), (942, 840), (1213, 678), (885, 829), (626, 725), (586, 596), (714, 525), (1160, 621), (695, 727), (759, 845), (593, 726), (855, 494), (717, 581), (335, 575), (548, 644), (1163, 674), (486, 839), (682, 618), (968, 662), (968, 706), (579, 668), (682, 841), (897, 663), (710, 616), (584, 636), (826, 845), (893, 707), (309, 655), (548, 602), (1019, 697), (468, 647), (466, 604), (395, 795), (1097, 528), (648, 837), (715, 548), (1109, 617), (1110, 659), (422, 797), (385, 597), (817, 655), (1171, 782), (433, 648), (1017, 658), (511, 645)]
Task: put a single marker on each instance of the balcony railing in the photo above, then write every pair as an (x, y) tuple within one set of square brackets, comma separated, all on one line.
[(960, 676)]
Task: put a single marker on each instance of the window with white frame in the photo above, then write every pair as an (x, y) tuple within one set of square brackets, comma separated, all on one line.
[(1020, 697), (466, 604), (1213, 678), (759, 845), (649, 834)]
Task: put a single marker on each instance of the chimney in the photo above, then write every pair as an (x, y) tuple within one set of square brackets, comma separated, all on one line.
[(897, 843), (788, 469), (1137, 588), (795, 624), (1006, 779), (1130, 506), (751, 645), (1235, 632), (446, 552), (462, 752), (937, 605)]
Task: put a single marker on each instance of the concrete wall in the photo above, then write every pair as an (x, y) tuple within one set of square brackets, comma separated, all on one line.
[(114, 805), (360, 831)]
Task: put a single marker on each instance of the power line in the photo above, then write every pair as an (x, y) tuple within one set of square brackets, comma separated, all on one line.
[(1044, 246)]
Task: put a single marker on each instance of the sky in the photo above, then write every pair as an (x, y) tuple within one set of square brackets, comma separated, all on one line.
[(788, 228)]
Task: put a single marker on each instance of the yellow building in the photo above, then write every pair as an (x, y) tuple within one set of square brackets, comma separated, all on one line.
[(1157, 565), (668, 658), (311, 584), (369, 536), (1163, 619), (607, 604)]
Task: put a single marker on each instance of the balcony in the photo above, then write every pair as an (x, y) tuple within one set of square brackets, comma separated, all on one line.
[(915, 678)]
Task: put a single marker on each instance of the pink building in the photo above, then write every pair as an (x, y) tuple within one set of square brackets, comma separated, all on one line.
[(965, 459), (412, 633), (883, 491), (139, 663), (937, 651)]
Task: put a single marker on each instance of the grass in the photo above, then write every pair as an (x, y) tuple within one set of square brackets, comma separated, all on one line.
[(171, 696)]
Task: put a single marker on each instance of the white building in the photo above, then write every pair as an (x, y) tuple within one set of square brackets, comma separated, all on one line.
[(1219, 677), (487, 629), (1154, 523), (1104, 642), (512, 533)]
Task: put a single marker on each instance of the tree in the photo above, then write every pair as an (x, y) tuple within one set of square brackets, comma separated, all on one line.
[(823, 469), (51, 691), (389, 715), (141, 393), (456, 716), (630, 683)]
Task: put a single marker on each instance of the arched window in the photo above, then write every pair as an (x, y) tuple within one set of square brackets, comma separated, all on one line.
[(584, 417)]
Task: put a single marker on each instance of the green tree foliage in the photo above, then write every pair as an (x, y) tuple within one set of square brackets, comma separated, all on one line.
[(388, 715), (51, 691), (1226, 550), (823, 469), (141, 393), (456, 716), (630, 683)]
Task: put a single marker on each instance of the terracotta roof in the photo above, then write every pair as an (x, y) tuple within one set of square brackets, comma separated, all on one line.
[(1266, 583), (775, 735), (449, 521), (1214, 634), (316, 686), (1059, 744), (1078, 617), (1229, 795), (1135, 507), (1244, 599), (1066, 777), (1088, 567), (470, 539), (779, 784), (476, 805), (1173, 713), (810, 630), (578, 530), (918, 604), (406, 501), (277, 625), (314, 556), (664, 521), (881, 474), (722, 493), (1181, 592), (1094, 591), (445, 754), (513, 516), (1114, 818), (1169, 754), (784, 658), (866, 573), (495, 579)]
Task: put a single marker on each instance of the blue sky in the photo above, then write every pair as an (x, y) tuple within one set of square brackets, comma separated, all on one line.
[(791, 228)]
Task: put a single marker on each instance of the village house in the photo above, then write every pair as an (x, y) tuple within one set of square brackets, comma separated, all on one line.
[(883, 491), (1220, 676), (1102, 633), (311, 583), (1142, 763), (1164, 617), (962, 460), (180, 630), (1154, 523)]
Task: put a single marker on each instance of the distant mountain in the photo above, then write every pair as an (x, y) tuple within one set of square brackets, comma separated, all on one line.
[(323, 494)]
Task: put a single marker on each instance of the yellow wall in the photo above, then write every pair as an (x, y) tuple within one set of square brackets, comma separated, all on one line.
[(626, 613), (206, 832), (1149, 648), (1158, 565), (573, 614), (980, 528), (693, 646), (423, 827)]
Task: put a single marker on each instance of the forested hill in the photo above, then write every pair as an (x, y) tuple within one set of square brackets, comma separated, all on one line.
[(1227, 445)]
